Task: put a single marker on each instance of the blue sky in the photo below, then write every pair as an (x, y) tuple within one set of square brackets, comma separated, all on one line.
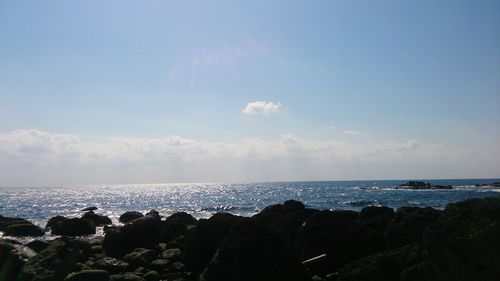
[(156, 91)]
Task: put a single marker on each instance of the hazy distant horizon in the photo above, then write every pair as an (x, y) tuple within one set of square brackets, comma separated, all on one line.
[(107, 92)]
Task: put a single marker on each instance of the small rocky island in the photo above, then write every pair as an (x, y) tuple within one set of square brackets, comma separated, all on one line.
[(282, 242), (423, 185)]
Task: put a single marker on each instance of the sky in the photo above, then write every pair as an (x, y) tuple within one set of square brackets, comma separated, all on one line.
[(95, 92)]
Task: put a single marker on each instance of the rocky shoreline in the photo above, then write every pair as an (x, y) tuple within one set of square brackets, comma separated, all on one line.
[(282, 242)]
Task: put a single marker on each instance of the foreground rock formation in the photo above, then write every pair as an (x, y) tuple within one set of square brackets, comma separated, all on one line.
[(283, 242)]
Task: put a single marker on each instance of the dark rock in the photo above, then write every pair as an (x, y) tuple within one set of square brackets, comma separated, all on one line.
[(55, 220), (93, 208), (140, 257), (88, 275), (171, 254), (286, 218), (159, 264), (375, 218), (153, 213), (423, 185), (151, 276), (253, 251), (23, 229), (73, 227), (409, 225), (6, 222), (386, 266), (176, 267), (98, 220), (336, 234), (293, 205), (37, 245), (438, 186), (145, 232), (203, 242), (182, 218), (11, 261), (111, 265), (128, 216), (97, 250), (53, 263), (373, 222), (416, 185), (464, 244)]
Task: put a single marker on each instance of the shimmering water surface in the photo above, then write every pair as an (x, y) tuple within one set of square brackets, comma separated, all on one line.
[(38, 204)]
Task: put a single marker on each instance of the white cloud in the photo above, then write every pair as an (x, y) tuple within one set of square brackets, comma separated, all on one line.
[(261, 108), (24, 154), (38, 146)]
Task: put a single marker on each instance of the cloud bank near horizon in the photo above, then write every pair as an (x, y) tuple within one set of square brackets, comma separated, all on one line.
[(285, 157)]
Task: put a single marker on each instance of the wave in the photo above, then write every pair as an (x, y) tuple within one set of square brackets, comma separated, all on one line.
[(361, 203)]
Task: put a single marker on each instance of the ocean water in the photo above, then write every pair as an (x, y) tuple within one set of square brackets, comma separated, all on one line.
[(38, 204)]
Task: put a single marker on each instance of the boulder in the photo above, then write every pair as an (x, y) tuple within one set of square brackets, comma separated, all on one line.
[(151, 276), (140, 257), (98, 220), (285, 218), (202, 244), (55, 220), (464, 244), (88, 275), (336, 234), (52, 263), (159, 264), (128, 216), (373, 221), (172, 254), (375, 218), (408, 225), (11, 261), (23, 229), (153, 213), (37, 245), (254, 251), (7, 221), (73, 227), (145, 232), (386, 266), (182, 218)]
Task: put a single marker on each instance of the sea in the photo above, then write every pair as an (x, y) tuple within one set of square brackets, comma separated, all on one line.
[(39, 203)]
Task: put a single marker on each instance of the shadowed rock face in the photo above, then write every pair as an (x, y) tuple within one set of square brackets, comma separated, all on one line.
[(19, 227), (55, 220), (73, 227), (144, 232), (254, 251), (460, 244), (53, 263), (128, 216), (11, 261), (335, 233), (464, 244), (23, 229), (98, 220), (386, 266), (203, 242), (409, 225), (286, 218)]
